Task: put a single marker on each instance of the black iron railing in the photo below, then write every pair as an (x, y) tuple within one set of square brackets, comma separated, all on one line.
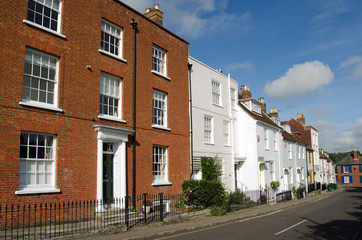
[(283, 196), (48, 220)]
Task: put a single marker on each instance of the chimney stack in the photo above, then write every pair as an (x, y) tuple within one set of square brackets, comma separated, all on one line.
[(155, 14), (273, 113), (244, 92), (355, 157), (263, 104), (301, 119)]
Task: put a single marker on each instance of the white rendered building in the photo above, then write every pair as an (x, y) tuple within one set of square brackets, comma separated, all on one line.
[(213, 99)]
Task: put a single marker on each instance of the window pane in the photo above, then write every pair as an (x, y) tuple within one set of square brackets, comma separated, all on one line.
[(23, 152)]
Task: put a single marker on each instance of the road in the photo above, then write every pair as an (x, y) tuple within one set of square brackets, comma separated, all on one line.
[(337, 216)]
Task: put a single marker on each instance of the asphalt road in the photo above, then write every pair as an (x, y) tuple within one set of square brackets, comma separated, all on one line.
[(337, 216)]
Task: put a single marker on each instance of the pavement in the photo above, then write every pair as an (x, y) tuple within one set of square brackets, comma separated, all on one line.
[(204, 220)]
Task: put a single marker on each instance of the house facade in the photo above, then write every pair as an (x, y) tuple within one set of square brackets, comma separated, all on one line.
[(349, 170), (214, 98), (94, 102), (257, 142)]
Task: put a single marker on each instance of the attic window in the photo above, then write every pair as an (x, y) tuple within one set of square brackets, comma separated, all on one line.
[(255, 107)]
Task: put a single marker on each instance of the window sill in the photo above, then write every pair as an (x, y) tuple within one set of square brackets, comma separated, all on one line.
[(161, 75), (37, 191), (218, 105), (41, 105), (161, 128), (112, 55), (207, 143), (44, 29), (161, 183), (111, 118), (227, 145)]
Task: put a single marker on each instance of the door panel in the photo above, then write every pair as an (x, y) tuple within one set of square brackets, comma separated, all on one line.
[(107, 178)]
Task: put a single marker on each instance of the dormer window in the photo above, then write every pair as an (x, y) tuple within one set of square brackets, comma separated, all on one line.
[(255, 107)]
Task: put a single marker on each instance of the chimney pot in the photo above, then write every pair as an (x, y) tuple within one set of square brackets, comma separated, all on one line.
[(155, 14), (355, 157)]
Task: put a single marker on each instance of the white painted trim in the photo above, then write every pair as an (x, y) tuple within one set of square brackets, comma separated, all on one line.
[(112, 55), (41, 105), (161, 127), (119, 137), (111, 118), (161, 183), (37, 191), (161, 75), (44, 28)]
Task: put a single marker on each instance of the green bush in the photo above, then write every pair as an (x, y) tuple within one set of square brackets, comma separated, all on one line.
[(217, 210), (211, 168), (203, 193), (236, 197)]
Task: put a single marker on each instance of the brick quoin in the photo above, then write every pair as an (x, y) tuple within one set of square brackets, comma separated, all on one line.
[(78, 97)]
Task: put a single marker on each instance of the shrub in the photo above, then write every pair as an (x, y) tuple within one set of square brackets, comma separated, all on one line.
[(203, 193), (217, 210), (236, 197), (211, 168)]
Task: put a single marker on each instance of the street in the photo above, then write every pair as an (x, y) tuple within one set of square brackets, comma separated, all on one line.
[(337, 216)]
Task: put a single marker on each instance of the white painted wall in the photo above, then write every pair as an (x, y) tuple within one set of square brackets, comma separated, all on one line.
[(201, 85)]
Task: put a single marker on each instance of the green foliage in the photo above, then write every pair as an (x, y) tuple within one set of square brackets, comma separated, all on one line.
[(211, 168), (203, 193), (336, 157), (209, 191), (236, 197), (181, 203), (274, 184), (217, 210)]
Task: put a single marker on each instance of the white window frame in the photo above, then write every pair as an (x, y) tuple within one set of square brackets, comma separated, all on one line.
[(266, 139), (109, 91), (160, 119), (160, 165), (49, 5), (290, 153), (208, 129), (216, 93), (226, 132), (43, 163), (36, 82), (345, 169), (113, 31), (159, 61), (232, 97), (276, 141), (346, 179)]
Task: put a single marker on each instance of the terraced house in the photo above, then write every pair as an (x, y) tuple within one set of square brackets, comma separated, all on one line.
[(93, 104)]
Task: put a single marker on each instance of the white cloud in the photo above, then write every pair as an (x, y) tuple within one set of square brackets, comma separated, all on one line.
[(197, 18), (335, 141), (354, 65), (236, 66), (300, 79)]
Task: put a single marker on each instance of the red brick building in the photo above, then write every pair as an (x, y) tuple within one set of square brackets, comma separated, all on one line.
[(67, 102), (349, 170)]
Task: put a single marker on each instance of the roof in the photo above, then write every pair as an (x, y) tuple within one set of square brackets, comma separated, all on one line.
[(305, 133), (263, 117), (348, 160)]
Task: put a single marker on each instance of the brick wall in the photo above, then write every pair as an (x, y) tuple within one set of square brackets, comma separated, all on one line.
[(354, 173), (78, 96)]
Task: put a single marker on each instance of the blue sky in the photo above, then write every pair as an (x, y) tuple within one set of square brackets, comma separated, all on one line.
[(301, 56)]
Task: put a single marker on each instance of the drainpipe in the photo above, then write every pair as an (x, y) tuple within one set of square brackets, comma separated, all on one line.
[(134, 27), (189, 65)]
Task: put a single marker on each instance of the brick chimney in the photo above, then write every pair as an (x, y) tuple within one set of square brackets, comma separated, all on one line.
[(301, 118), (355, 157), (155, 14), (244, 92), (273, 113), (263, 104)]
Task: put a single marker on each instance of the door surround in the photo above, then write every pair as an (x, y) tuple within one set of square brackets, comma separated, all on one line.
[(119, 138)]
